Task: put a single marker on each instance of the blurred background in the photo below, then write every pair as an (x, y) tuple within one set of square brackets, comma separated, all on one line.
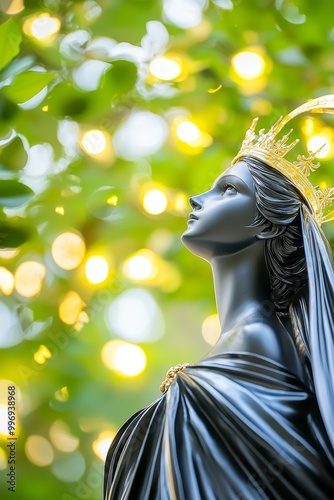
[(114, 112)]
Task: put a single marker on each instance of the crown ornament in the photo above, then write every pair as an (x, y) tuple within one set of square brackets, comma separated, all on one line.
[(266, 148)]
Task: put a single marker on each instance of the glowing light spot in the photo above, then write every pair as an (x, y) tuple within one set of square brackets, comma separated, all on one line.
[(45, 108), (124, 358), (70, 308), (188, 132), (42, 27), (6, 281), (15, 7), (9, 253), (3, 459), (83, 318), (42, 354), (165, 68), (213, 91), (61, 437), (141, 266), (60, 210), (62, 394), (144, 324), (248, 65), (39, 450), (181, 203), (316, 142), (94, 142), (29, 278), (211, 329), (155, 202), (68, 250), (141, 134), (96, 269), (97, 144), (102, 443), (112, 200)]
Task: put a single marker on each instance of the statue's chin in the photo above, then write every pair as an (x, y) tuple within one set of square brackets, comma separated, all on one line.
[(195, 247)]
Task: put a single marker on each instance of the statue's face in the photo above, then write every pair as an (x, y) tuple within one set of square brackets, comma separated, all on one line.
[(218, 224)]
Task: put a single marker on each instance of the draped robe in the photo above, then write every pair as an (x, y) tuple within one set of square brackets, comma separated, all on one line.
[(233, 426)]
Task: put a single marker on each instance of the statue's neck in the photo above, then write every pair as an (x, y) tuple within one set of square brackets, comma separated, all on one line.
[(241, 285)]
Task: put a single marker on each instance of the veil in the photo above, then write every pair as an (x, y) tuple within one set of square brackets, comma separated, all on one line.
[(313, 318)]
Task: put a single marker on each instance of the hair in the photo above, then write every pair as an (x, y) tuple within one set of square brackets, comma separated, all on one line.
[(301, 270), (278, 209)]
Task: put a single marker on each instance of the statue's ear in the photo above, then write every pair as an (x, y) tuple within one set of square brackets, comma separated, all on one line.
[(270, 230)]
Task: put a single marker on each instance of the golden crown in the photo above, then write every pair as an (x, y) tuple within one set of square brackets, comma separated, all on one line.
[(272, 152)]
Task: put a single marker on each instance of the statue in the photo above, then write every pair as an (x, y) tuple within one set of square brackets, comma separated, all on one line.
[(254, 418)]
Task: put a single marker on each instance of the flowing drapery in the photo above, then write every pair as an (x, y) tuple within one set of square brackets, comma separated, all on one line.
[(232, 426)]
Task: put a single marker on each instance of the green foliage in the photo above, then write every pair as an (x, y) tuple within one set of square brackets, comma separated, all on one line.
[(10, 39), (26, 85), (94, 75), (13, 234), (13, 193)]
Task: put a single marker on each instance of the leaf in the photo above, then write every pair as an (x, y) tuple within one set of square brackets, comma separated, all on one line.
[(120, 78), (65, 100), (10, 39), (13, 235), (27, 85), (13, 156), (13, 193)]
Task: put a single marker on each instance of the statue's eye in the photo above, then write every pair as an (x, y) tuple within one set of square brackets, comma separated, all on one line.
[(229, 188)]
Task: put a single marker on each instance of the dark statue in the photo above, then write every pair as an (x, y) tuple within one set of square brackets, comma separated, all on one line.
[(254, 418)]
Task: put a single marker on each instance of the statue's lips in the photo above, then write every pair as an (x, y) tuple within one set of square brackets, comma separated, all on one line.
[(192, 216)]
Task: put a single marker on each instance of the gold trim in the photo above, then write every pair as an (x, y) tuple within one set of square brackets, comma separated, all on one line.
[(171, 375)]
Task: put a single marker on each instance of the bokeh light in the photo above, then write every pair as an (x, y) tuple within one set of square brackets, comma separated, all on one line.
[(68, 250), (141, 134), (82, 320), (102, 444), (70, 307), (9, 253), (60, 210), (187, 132), (141, 266), (135, 316), (166, 68), (3, 458), (321, 140), (39, 450), (62, 395), (124, 358), (248, 65), (29, 277), (14, 7), (62, 438), (94, 142), (6, 281), (98, 145), (42, 354), (191, 135), (112, 200), (42, 27), (155, 201), (96, 269), (211, 329)]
